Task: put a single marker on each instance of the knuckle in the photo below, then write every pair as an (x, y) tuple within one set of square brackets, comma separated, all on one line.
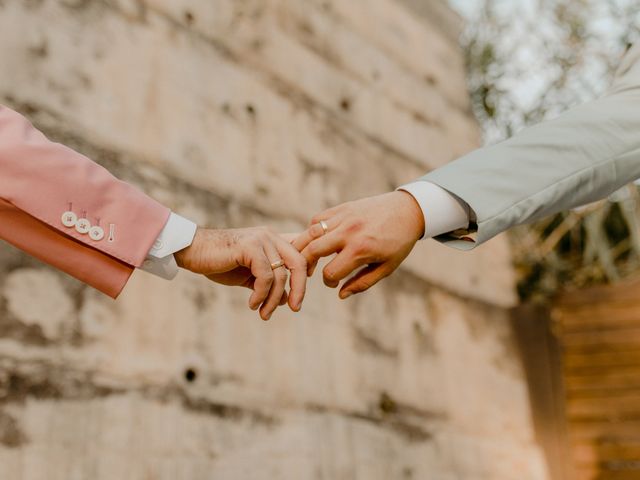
[(268, 276), (263, 234), (363, 247), (355, 226), (329, 275), (312, 249), (315, 219), (253, 241), (315, 230), (259, 233)]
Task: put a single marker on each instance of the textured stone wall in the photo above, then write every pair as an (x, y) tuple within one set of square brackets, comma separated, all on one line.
[(237, 113)]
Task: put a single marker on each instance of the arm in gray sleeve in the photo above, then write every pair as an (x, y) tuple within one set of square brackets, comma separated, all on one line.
[(581, 156)]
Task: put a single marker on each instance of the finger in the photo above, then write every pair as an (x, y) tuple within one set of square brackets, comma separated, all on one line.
[(240, 277), (365, 279), (284, 299), (341, 267), (311, 267), (297, 265), (279, 281), (290, 237), (302, 240), (313, 232), (321, 247), (326, 214), (263, 275)]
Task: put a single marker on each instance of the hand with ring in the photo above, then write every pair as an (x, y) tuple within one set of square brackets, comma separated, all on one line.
[(255, 258), (373, 235)]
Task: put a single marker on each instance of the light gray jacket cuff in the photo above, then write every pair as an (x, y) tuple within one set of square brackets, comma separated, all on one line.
[(443, 212)]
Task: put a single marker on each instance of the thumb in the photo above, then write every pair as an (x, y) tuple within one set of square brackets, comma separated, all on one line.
[(364, 279)]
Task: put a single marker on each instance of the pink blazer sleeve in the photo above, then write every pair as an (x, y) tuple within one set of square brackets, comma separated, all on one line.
[(68, 211)]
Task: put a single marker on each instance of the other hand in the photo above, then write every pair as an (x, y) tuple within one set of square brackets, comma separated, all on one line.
[(373, 234), (245, 257)]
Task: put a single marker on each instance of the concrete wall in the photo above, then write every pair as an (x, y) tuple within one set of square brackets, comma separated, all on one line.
[(237, 113)]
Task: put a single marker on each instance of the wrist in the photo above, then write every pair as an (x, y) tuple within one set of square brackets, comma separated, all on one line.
[(412, 212), (182, 256)]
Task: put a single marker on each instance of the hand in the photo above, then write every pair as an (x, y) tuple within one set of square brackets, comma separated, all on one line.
[(376, 233), (243, 257)]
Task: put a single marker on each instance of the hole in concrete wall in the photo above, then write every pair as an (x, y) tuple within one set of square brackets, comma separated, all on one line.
[(189, 17), (345, 104), (387, 404), (11, 436), (190, 375), (251, 110), (306, 28), (257, 44), (40, 49)]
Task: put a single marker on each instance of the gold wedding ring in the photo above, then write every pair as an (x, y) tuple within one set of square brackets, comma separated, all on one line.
[(325, 227), (278, 264)]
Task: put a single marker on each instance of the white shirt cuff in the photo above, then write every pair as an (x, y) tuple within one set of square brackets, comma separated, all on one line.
[(177, 234), (443, 212)]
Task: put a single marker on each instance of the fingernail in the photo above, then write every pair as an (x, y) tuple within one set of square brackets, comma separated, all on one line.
[(345, 295)]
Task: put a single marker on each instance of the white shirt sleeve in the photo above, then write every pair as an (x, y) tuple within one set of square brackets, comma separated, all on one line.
[(443, 212), (177, 234)]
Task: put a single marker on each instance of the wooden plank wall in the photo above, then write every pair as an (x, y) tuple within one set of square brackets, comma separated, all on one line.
[(542, 361), (599, 335)]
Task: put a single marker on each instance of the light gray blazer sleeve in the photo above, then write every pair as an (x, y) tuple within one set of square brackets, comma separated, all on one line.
[(582, 156)]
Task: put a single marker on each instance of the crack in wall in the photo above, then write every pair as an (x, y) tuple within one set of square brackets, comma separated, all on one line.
[(368, 343), (41, 380), (11, 327), (403, 420)]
